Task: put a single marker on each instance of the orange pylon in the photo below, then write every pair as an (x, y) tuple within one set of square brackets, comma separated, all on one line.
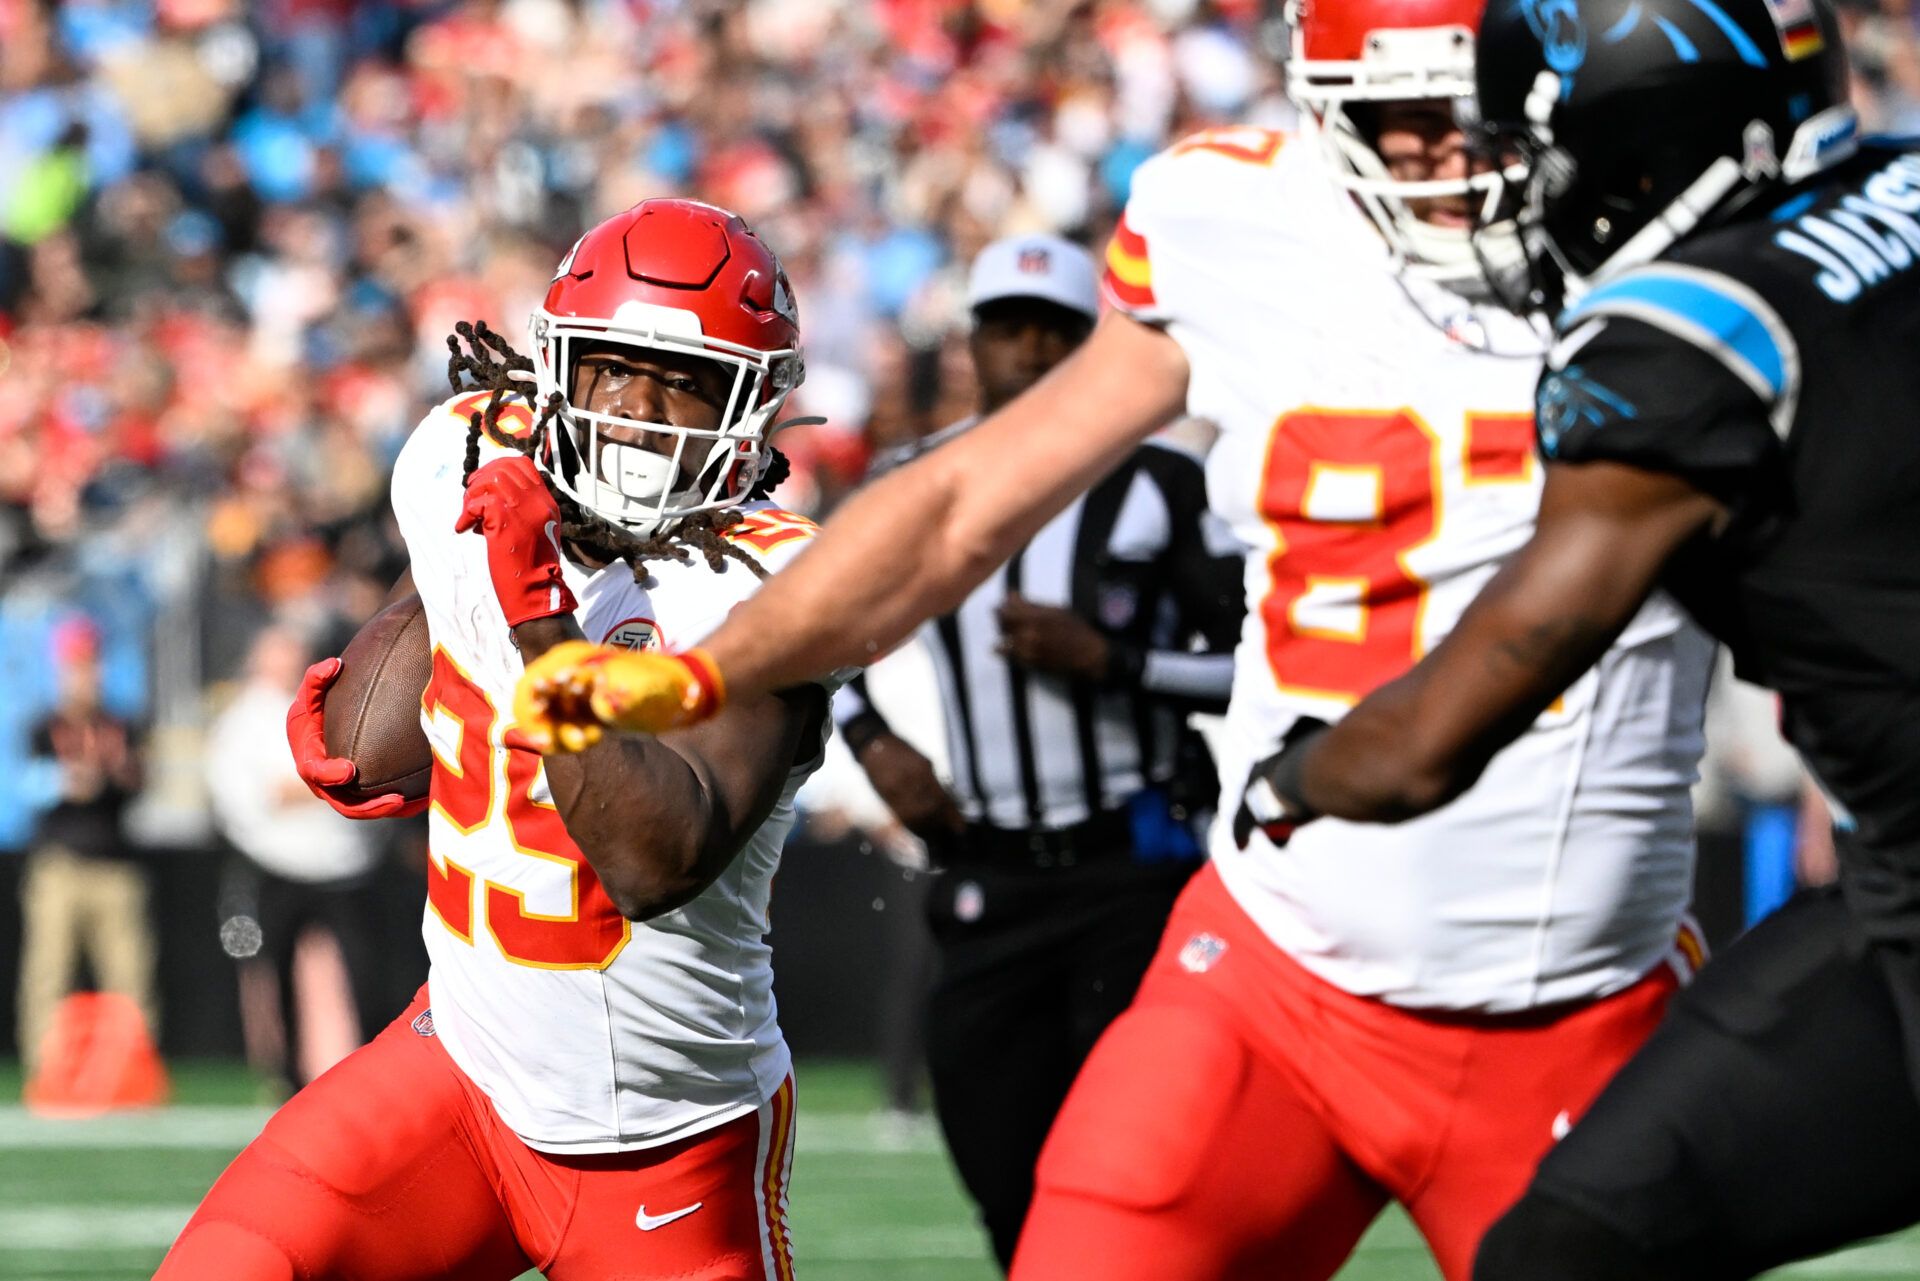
[(98, 1056)]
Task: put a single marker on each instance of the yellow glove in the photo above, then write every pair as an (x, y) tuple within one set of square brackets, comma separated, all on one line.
[(552, 703), (569, 695)]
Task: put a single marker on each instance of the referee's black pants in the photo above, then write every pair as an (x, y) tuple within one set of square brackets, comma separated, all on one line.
[(284, 910), (1772, 1117), (1034, 964)]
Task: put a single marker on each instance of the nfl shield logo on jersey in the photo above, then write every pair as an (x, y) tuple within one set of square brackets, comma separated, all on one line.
[(1201, 953), (423, 1025), (1467, 329)]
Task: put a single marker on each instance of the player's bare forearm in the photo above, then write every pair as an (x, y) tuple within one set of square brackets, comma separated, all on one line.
[(1605, 533), (659, 818), (538, 635), (643, 815), (914, 543), (1419, 741)]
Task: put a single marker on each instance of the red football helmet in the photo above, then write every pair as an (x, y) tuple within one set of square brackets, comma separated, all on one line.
[(679, 276), (1348, 51)]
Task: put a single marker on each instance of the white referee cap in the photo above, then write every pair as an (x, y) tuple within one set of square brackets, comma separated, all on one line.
[(1036, 266)]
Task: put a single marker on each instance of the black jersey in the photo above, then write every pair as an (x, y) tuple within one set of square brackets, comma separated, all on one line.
[(1775, 362)]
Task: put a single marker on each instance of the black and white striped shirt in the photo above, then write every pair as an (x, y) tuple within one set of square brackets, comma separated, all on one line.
[(1140, 558)]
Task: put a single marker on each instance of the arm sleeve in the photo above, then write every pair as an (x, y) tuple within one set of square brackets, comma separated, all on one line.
[(855, 716), (1635, 394), (1204, 679), (1204, 572)]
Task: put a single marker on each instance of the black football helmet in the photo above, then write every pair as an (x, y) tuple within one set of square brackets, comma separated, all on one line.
[(1620, 126)]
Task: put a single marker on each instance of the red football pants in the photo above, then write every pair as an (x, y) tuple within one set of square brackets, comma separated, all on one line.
[(394, 1167), (1244, 1119)]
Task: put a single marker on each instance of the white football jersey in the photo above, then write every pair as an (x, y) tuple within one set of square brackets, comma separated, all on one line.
[(589, 1032), (1377, 456)]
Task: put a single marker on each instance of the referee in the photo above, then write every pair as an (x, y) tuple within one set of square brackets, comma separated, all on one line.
[(1066, 679)]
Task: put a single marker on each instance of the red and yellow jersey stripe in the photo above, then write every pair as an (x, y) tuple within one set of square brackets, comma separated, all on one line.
[(1128, 278), (776, 1168), (1689, 950)]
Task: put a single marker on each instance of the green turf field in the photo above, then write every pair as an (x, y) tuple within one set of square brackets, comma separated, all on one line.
[(873, 1200)]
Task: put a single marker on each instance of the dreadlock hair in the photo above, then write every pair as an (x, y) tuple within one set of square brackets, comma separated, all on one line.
[(494, 366)]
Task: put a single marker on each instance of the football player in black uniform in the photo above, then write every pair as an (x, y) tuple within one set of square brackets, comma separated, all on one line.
[(1731, 410)]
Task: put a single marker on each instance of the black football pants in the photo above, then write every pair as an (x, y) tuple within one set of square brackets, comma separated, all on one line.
[(1034, 964), (1769, 1119), (348, 910)]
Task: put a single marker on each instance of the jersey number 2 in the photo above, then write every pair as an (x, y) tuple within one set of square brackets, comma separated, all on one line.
[(1349, 495), (466, 792)]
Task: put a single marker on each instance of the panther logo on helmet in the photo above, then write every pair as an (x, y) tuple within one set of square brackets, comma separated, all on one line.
[(1735, 124), (1563, 37)]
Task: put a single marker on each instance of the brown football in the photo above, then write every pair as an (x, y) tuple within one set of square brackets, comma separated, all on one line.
[(373, 707)]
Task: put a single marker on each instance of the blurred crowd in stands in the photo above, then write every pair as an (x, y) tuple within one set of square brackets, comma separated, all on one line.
[(234, 236)]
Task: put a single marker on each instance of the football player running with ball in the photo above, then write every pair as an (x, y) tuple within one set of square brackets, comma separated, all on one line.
[(1373, 1014), (593, 1082)]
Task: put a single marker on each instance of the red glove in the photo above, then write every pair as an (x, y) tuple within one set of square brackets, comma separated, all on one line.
[(321, 773), (509, 504)]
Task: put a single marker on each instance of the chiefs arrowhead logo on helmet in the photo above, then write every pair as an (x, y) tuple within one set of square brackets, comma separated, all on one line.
[(566, 264), (783, 300)]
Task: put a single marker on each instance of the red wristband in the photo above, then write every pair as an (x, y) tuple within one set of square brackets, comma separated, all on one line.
[(710, 688)]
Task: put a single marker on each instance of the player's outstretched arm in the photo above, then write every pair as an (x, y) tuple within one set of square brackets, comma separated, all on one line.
[(906, 548), (1605, 532), (914, 543)]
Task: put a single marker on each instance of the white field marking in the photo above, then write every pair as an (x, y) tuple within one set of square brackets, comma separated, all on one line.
[(184, 1126), (869, 1244), (858, 1134), (205, 1126), (1900, 1258), (64, 1227), (92, 1227)]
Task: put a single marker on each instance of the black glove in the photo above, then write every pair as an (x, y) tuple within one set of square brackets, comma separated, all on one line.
[(1271, 799)]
